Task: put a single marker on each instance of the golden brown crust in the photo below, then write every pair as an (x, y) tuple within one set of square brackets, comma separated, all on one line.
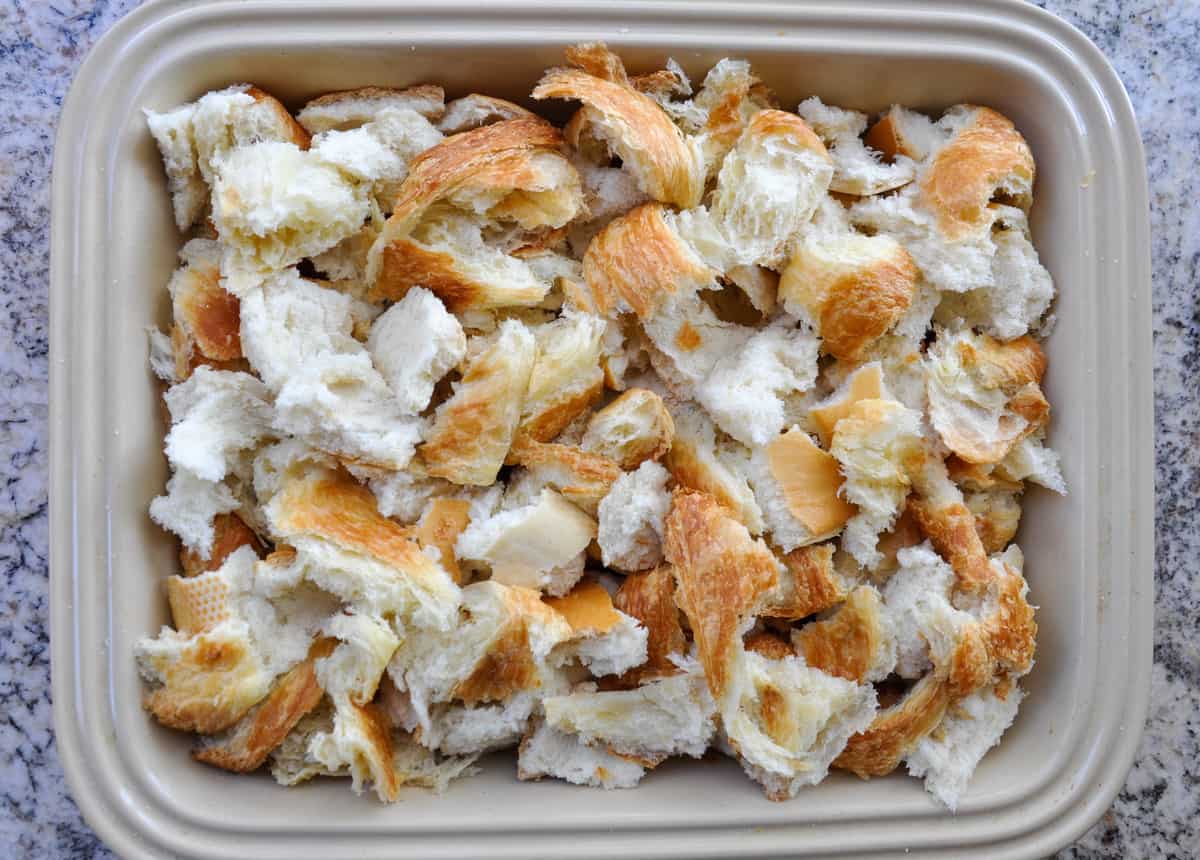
[(506, 668), (778, 123), (198, 603), (866, 383), (375, 727), (441, 524), (208, 314), (847, 643), (587, 608), (690, 469), (230, 533), (769, 645), (971, 664), (496, 155), (650, 598), (978, 477), (656, 433), (895, 731), (1016, 368), (405, 263), (1011, 631), (808, 584), (208, 688), (583, 478), (596, 59), (884, 137), (500, 156), (472, 431), (854, 290), (723, 575), (810, 480), (331, 505), (296, 133), (262, 730), (967, 172), (997, 518), (639, 260), (555, 414), (951, 530), (666, 166)]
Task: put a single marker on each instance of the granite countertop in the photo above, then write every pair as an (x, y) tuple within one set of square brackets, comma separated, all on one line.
[(1153, 46)]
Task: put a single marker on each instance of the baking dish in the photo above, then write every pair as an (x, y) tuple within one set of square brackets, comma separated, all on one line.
[(1090, 556)]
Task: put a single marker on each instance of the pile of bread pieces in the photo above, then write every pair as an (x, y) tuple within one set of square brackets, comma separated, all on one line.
[(695, 424)]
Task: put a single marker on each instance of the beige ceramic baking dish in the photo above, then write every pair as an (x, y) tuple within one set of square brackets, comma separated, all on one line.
[(1089, 557)]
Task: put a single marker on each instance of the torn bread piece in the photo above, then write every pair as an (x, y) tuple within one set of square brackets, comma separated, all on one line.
[(475, 110), (728, 98), (639, 261), (510, 171), (440, 526), (852, 289), (854, 642), (630, 124), (769, 186), (865, 383), (347, 109), (473, 430), (785, 721), (798, 489), (666, 717), (901, 132), (448, 253), (378, 153), (413, 345), (341, 405), (566, 378), (189, 509), (604, 640), (359, 743), (230, 533), (747, 390), (947, 219), (650, 598), (206, 316), (1030, 460), (548, 752), (275, 204), (247, 745), (288, 322), (808, 583), (194, 137), (700, 461), (947, 757), (215, 414), (363, 645), (340, 542), (878, 445), (1021, 289), (630, 430), (539, 545), (499, 647), (230, 643), (723, 576), (631, 519), (984, 395), (858, 169), (582, 477)]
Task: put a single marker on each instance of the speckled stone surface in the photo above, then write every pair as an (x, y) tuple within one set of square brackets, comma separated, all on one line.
[(1153, 45)]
